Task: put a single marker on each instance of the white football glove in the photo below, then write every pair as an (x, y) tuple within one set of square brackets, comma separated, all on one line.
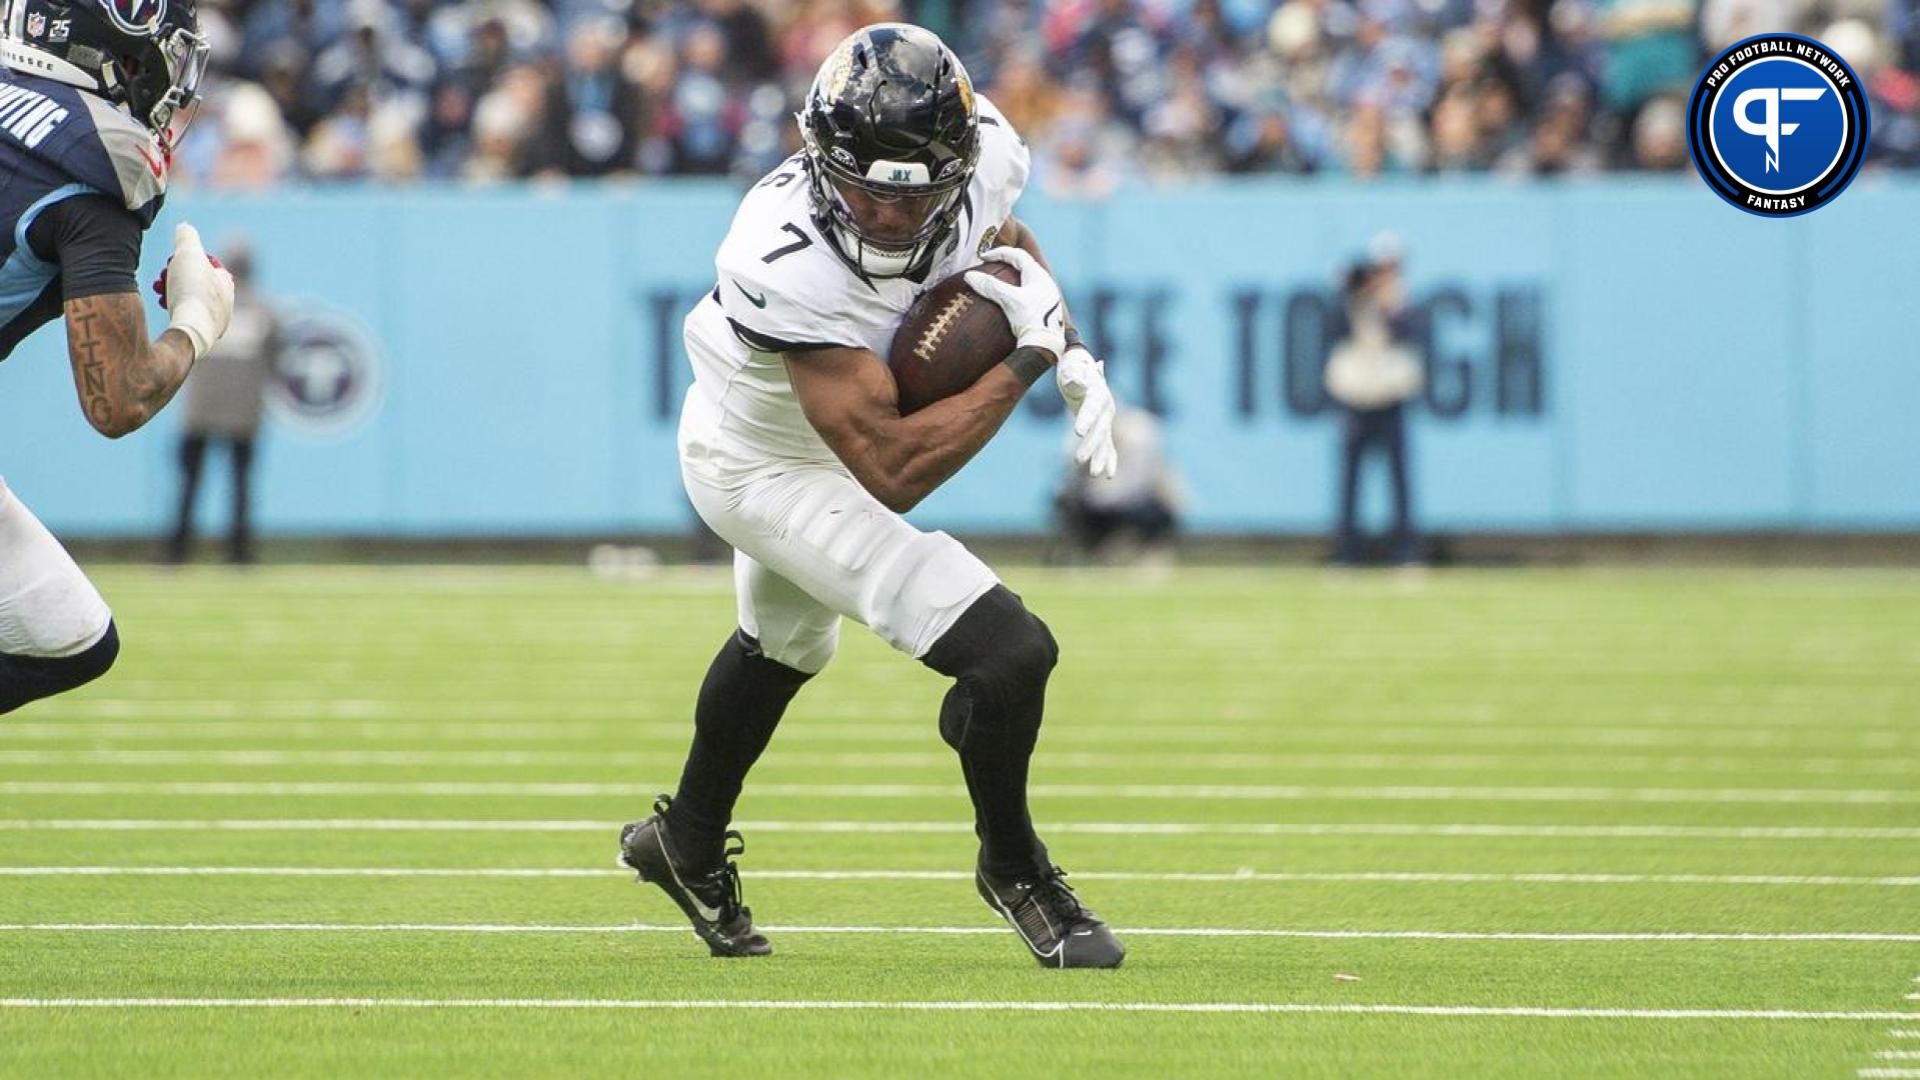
[(1033, 308), (1083, 383), (198, 293)]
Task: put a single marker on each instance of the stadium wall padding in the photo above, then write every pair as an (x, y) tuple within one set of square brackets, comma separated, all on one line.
[(1625, 354)]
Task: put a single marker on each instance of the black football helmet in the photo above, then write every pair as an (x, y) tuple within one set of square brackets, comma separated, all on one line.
[(890, 124), (145, 55)]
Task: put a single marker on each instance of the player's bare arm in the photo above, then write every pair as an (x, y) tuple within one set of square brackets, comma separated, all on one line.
[(122, 378), (849, 397)]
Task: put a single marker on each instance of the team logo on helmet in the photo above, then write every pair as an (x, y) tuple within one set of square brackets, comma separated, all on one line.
[(839, 68), (138, 17)]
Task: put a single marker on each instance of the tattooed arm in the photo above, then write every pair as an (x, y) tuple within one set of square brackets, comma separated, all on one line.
[(123, 379)]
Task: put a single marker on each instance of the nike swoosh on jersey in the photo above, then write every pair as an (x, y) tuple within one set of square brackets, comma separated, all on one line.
[(758, 301)]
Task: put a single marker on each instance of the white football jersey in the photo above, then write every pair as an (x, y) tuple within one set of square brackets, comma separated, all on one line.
[(782, 289)]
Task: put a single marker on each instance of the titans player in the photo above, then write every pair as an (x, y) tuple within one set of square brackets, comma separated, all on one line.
[(89, 92), (793, 449)]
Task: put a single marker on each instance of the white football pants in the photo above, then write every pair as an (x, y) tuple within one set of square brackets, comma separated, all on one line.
[(810, 545), (48, 608)]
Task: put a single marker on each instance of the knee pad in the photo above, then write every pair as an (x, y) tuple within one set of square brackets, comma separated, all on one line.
[(1001, 655), (30, 678)]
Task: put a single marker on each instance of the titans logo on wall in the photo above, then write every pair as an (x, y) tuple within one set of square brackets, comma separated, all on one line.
[(327, 379), (1778, 125)]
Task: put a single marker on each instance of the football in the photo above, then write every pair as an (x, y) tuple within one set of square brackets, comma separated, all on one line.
[(948, 339)]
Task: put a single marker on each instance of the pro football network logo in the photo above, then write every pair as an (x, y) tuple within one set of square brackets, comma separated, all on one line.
[(327, 380), (1778, 125)]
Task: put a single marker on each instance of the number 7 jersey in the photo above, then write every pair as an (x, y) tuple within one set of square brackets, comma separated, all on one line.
[(782, 290)]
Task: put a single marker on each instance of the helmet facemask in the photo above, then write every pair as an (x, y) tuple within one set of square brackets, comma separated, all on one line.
[(167, 80), (914, 218)]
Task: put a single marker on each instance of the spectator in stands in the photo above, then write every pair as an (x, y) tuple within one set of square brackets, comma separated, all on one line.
[(1651, 51), (392, 89), (594, 114), (701, 115), (1660, 136), (1261, 141), (256, 149)]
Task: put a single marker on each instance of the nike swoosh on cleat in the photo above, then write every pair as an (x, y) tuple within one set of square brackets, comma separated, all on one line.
[(711, 915)]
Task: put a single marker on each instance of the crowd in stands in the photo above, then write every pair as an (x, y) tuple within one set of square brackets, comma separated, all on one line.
[(1109, 92)]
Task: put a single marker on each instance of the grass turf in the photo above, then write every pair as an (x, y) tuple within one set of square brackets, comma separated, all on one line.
[(1542, 753)]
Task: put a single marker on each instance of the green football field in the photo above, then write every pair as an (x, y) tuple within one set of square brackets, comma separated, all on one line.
[(359, 822)]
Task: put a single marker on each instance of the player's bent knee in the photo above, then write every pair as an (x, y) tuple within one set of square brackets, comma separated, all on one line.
[(30, 678), (999, 645), (1033, 652), (98, 657)]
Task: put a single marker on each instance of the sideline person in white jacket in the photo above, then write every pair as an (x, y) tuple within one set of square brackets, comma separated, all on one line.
[(1372, 375)]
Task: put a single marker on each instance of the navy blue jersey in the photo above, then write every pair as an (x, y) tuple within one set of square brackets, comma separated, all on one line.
[(69, 157)]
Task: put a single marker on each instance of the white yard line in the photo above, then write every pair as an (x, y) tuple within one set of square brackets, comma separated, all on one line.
[(603, 726), (1096, 828), (1133, 931), (1196, 702), (1255, 792), (906, 759), (1887, 1074), (1278, 1008), (759, 874), (1898, 1055)]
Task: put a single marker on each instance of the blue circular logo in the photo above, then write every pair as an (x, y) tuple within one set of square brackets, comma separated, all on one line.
[(327, 379), (1778, 125)]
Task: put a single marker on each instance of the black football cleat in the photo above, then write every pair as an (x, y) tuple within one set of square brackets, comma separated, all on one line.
[(710, 898), (1057, 927)]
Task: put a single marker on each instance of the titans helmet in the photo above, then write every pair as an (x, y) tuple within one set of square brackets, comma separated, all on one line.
[(145, 55)]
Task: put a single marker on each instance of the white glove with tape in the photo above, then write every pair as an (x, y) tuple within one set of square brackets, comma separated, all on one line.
[(196, 291), (1083, 384), (1033, 308)]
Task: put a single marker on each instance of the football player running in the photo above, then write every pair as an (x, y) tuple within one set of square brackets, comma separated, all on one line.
[(89, 91), (793, 450)]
